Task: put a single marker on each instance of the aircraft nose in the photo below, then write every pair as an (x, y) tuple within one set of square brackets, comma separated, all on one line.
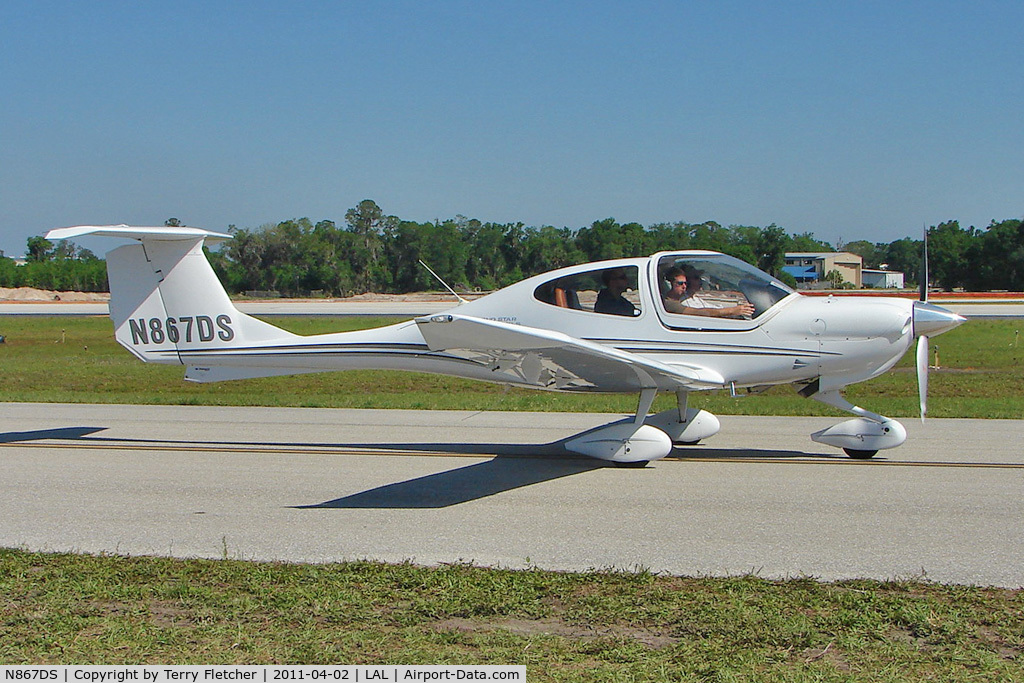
[(930, 320)]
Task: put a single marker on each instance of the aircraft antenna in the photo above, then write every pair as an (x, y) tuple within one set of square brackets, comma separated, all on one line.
[(438, 277), (923, 285)]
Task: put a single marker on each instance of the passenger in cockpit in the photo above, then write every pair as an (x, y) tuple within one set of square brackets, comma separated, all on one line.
[(610, 299)]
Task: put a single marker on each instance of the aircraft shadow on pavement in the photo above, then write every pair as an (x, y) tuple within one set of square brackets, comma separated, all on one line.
[(59, 433), (748, 454), (510, 466), (533, 451), (513, 466), (461, 485)]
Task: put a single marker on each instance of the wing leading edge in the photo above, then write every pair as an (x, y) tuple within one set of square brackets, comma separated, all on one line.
[(553, 360)]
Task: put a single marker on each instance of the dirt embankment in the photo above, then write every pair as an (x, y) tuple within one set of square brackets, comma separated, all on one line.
[(35, 295), (28, 294)]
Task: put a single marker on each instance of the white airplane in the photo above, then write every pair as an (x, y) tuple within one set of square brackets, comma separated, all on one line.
[(626, 325)]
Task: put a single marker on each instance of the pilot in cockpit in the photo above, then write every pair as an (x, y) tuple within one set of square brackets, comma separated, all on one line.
[(682, 297)]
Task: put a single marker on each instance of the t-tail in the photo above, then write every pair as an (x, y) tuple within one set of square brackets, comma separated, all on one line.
[(167, 304)]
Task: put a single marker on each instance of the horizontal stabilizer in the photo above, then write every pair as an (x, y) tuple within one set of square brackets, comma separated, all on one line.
[(137, 233)]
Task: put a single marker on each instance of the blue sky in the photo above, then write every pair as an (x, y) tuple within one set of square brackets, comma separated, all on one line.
[(851, 120)]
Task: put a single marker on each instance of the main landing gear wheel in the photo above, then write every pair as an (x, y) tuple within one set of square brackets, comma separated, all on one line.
[(635, 464), (858, 454)]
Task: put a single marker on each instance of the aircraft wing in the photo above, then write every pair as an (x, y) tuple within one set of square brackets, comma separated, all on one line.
[(553, 360)]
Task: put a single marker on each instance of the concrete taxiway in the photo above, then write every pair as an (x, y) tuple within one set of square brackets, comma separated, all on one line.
[(318, 485)]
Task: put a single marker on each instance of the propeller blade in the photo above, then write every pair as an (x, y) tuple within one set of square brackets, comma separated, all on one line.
[(922, 374)]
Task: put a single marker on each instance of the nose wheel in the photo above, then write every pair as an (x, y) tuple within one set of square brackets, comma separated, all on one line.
[(862, 436)]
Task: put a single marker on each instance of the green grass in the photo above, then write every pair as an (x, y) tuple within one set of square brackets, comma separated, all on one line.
[(595, 626), (76, 360)]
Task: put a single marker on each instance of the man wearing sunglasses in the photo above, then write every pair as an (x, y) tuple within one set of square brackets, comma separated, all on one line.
[(680, 298)]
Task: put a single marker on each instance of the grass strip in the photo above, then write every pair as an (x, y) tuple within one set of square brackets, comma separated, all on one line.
[(76, 360), (594, 626)]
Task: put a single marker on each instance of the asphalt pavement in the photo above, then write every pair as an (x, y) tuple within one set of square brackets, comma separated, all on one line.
[(497, 489)]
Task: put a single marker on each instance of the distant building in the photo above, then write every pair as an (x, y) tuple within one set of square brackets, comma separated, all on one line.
[(814, 266), (802, 274), (882, 279)]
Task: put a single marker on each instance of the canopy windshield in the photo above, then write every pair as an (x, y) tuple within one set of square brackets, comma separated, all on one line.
[(718, 285)]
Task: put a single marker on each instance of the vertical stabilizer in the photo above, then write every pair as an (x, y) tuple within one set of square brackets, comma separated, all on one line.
[(165, 297)]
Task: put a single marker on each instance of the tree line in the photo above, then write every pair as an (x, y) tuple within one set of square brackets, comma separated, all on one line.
[(375, 252), (63, 267), (973, 259)]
